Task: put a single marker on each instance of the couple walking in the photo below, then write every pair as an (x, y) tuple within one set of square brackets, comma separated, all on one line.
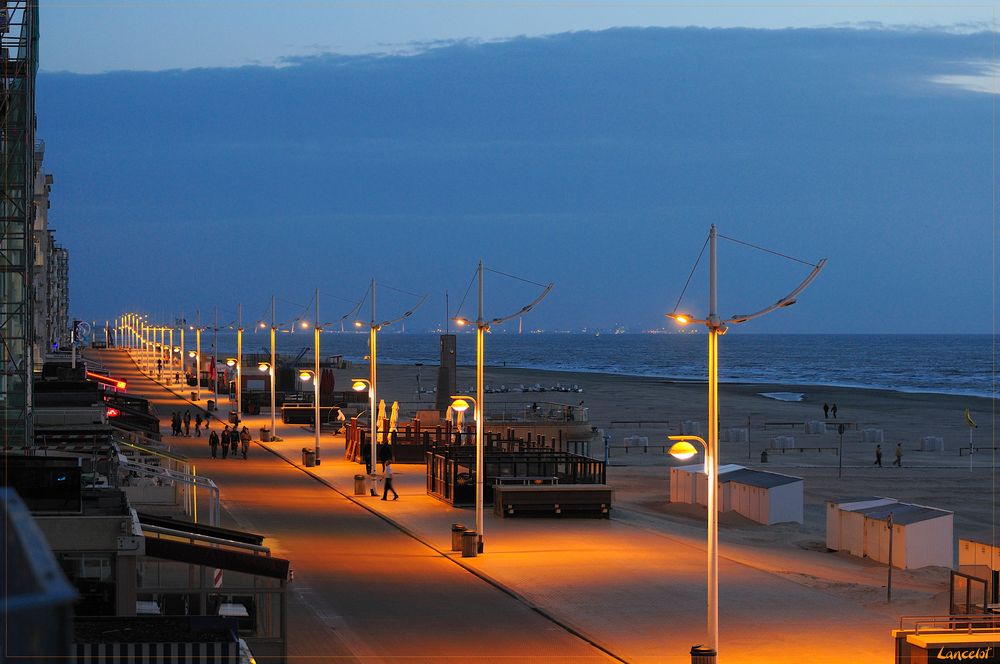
[(180, 425), (899, 456)]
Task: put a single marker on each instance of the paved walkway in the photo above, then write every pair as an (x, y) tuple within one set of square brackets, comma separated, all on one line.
[(634, 586), (364, 590)]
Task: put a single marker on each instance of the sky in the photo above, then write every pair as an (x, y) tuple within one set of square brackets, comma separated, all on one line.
[(88, 36), (595, 159)]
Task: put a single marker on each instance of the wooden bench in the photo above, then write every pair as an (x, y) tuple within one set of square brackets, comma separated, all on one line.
[(645, 448), (593, 500), (525, 481)]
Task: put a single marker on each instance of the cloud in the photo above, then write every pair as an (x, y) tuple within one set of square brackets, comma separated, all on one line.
[(981, 77)]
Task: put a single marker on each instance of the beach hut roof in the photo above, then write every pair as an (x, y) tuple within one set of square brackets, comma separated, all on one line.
[(700, 468), (858, 504), (758, 478), (904, 513)]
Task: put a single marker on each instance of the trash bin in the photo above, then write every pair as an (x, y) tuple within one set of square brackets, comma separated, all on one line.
[(470, 543), (265, 435), (308, 457), (194, 396), (234, 417), (701, 655), (456, 536), (763, 456), (210, 405), (359, 485)]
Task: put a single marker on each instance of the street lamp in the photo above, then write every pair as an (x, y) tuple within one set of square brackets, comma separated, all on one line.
[(716, 328), (360, 385), (269, 369), (234, 362), (460, 404), (305, 376)]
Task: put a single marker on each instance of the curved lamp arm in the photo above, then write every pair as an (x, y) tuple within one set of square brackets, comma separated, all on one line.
[(786, 301)]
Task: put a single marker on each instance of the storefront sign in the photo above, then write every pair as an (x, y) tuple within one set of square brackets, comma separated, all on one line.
[(980, 654)]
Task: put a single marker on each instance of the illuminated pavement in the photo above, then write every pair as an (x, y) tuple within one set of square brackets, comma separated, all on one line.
[(380, 576)]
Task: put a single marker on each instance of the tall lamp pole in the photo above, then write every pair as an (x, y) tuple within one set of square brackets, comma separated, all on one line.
[(716, 328)]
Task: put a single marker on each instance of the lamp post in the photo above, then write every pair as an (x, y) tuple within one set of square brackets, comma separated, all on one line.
[(360, 385), (716, 328), (268, 368), (305, 375), (273, 370), (460, 404)]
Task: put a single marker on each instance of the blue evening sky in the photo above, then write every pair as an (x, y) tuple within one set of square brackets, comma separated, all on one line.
[(595, 159)]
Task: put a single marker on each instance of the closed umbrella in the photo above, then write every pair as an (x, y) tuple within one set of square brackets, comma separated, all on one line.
[(393, 414)]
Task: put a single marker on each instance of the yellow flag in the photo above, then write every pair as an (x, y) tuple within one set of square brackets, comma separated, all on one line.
[(968, 419)]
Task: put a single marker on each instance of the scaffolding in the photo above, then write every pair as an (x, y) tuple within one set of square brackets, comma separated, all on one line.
[(18, 67)]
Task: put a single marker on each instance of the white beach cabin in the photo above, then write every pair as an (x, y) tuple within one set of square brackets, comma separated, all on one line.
[(922, 535), (761, 496)]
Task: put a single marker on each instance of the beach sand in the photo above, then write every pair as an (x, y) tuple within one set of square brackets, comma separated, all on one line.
[(641, 480)]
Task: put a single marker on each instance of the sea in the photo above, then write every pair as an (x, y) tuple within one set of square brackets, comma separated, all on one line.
[(941, 364)]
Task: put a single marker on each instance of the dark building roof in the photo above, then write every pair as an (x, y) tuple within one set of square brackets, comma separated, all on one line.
[(758, 478)]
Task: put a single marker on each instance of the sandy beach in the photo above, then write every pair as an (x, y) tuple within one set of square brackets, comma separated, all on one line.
[(641, 480)]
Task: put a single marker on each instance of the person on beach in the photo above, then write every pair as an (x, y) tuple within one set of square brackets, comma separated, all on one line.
[(225, 442), (187, 423), (245, 441), (833, 409), (197, 424), (878, 456), (826, 411), (388, 482), (213, 442), (899, 455)]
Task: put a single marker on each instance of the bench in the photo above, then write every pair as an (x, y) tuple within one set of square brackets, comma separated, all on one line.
[(525, 481), (639, 423), (645, 448), (962, 451), (784, 424), (771, 450), (592, 500)]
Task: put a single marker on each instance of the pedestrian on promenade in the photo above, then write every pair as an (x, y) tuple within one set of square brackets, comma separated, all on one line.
[(234, 441), (826, 411), (833, 409), (197, 424), (213, 442), (899, 455), (878, 456), (187, 423), (159, 368), (388, 482), (245, 441), (173, 423), (225, 442)]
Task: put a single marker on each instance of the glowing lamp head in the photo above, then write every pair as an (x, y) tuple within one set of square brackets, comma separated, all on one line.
[(305, 324), (191, 353), (461, 322), (263, 366), (359, 386), (305, 376), (231, 362), (177, 349), (682, 450), (263, 325), (460, 405)]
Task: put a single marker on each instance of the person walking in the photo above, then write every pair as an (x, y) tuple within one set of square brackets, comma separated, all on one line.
[(826, 411), (878, 456), (225, 442), (833, 409), (234, 442), (245, 441), (187, 423), (388, 482), (197, 424), (899, 455), (213, 442), (173, 423)]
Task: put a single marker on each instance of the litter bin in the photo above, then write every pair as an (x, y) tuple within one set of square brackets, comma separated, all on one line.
[(470, 543), (265, 435), (210, 405), (359, 485), (194, 396), (456, 536), (234, 417), (701, 655), (763, 456), (308, 457)]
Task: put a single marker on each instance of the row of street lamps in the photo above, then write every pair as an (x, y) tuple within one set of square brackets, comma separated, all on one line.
[(682, 448)]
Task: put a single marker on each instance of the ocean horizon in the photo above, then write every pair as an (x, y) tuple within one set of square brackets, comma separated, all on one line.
[(953, 364)]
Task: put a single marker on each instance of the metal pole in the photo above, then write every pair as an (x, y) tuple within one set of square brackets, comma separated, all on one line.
[(888, 585), (274, 368), (172, 368), (215, 356), (372, 387), (197, 359), (183, 351), (239, 362), (316, 377), (840, 452), (713, 450), (480, 329)]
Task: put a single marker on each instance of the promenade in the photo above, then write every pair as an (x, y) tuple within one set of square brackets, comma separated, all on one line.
[(376, 581)]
